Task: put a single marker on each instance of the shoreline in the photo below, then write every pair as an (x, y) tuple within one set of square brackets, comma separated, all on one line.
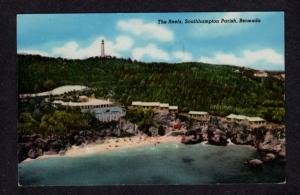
[(111, 144)]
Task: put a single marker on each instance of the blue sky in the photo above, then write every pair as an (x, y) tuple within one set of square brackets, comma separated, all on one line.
[(139, 36)]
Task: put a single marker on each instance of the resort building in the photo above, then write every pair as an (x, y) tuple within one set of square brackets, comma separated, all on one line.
[(104, 110), (164, 107), (235, 118), (201, 116), (136, 104), (252, 120), (256, 121), (173, 109), (155, 106), (150, 105), (261, 74)]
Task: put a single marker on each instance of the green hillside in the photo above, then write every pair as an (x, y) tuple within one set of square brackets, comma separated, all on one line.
[(218, 89)]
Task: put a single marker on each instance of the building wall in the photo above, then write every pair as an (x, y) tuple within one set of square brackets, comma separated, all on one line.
[(107, 114)]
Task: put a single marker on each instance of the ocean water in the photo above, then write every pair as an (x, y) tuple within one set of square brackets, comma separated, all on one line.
[(169, 163)]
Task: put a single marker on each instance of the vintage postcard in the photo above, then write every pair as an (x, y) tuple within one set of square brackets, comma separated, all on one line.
[(151, 98)]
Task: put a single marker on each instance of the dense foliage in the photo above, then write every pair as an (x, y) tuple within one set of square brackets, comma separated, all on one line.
[(38, 116), (143, 118), (218, 89)]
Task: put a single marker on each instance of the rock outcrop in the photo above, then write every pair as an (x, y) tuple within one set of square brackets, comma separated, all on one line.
[(33, 146), (217, 137), (255, 163)]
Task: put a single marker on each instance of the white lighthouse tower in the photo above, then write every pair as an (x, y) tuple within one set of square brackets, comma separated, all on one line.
[(102, 49)]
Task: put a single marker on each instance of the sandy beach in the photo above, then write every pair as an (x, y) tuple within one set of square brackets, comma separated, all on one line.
[(110, 144)]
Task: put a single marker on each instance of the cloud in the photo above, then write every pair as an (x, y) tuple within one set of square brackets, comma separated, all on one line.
[(33, 52), (151, 51), (266, 58), (215, 30), (72, 49), (123, 43), (183, 56), (149, 30)]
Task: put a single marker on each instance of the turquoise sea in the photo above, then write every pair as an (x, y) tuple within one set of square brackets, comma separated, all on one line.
[(162, 164)]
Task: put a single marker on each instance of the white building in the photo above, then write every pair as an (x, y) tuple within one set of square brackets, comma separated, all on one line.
[(199, 115), (173, 108), (261, 74), (251, 120), (104, 110), (164, 107), (156, 106)]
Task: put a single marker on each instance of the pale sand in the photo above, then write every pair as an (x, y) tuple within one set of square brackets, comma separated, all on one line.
[(110, 144)]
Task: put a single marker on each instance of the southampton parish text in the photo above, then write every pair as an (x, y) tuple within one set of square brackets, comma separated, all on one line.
[(210, 21)]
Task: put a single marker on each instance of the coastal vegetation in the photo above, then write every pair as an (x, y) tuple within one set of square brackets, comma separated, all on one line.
[(218, 89), (39, 117)]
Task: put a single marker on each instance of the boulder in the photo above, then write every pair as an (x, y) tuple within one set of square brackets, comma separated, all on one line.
[(217, 137), (33, 153), (269, 157), (282, 153), (255, 163), (56, 145), (40, 143), (153, 131), (188, 140)]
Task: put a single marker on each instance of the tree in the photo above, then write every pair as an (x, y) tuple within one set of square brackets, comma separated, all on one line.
[(185, 109), (161, 131), (49, 84), (26, 124)]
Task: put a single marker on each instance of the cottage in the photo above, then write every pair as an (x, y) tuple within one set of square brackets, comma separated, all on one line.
[(136, 104), (155, 106), (251, 120), (235, 118), (164, 107), (256, 121), (261, 74), (150, 105), (199, 115), (173, 109)]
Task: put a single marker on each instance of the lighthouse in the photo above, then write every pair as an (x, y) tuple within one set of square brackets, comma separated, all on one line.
[(102, 49)]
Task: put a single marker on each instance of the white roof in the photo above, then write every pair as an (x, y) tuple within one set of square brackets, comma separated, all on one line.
[(59, 90), (136, 103), (198, 112), (91, 102), (242, 117), (253, 119), (235, 116), (164, 105), (83, 96), (150, 104), (173, 107)]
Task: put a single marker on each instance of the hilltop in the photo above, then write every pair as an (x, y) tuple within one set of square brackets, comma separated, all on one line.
[(218, 89)]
